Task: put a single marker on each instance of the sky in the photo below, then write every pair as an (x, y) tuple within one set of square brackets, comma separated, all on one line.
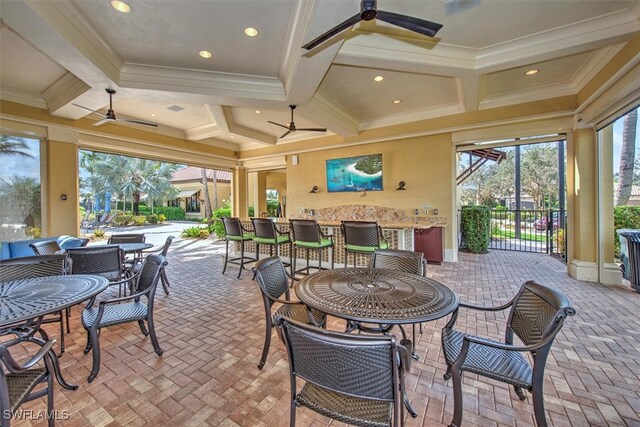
[(21, 165)]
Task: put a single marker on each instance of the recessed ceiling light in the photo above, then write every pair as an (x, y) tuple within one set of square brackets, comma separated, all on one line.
[(120, 6), (378, 78), (532, 72), (153, 115), (396, 101), (205, 54), (258, 112), (251, 32), (231, 136)]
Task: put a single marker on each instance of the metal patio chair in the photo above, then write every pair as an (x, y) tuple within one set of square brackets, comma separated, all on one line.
[(163, 250), (267, 233), (355, 379), (274, 282), (17, 382), (105, 261), (46, 247), (537, 315), (131, 308), (38, 266)]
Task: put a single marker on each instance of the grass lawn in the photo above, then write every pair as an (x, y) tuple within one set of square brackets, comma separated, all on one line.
[(524, 235)]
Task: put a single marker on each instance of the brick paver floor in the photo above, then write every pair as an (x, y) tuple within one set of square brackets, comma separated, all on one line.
[(211, 329)]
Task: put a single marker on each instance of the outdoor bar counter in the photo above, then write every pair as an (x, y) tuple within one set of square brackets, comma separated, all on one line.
[(422, 234)]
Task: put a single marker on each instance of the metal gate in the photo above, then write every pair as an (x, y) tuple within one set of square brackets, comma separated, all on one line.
[(542, 231)]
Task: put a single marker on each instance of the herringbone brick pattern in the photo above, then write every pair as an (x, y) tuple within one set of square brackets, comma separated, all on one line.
[(211, 330)]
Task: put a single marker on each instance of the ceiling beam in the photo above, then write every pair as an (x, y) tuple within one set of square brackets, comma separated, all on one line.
[(328, 113)]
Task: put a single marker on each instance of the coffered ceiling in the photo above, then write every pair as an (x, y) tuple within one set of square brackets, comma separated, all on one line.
[(64, 52)]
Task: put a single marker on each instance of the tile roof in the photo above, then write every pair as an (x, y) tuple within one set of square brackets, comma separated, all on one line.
[(192, 173)]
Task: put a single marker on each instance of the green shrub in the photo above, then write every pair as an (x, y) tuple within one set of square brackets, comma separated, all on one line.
[(500, 208), (124, 219), (171, 213), (98, 233), (152, 219), (34, 232), (215, 225), (252, 211), (475, 224), (161, 218), (195, 232), (624, 217), (139, 220)]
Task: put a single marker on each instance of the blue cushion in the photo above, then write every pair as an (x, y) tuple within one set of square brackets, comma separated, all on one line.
[(5, 253), (21, 248), (66, 242)]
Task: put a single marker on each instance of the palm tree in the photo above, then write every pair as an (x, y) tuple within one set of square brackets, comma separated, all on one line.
[(12, 146), (627, 159), (205, 192)]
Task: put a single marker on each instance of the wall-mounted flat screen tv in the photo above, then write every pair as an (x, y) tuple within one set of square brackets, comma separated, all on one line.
[(355, 173)]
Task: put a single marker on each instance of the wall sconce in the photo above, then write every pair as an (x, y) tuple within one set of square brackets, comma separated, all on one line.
[(314, 189), (401, 186)]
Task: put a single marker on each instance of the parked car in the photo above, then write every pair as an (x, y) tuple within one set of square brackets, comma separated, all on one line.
[(541, 223)]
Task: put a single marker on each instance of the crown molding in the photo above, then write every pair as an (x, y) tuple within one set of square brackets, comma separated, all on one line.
[(298, 28), (598, 59), (201, 132), (65, 18), (64, 91), (201, 82), (22, 97), (330, 114), (528, 95), (413, 116), (581, 36)]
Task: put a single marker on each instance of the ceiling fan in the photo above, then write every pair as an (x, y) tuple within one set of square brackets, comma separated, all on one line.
[(111, 115), (368, 11), (292, 126)]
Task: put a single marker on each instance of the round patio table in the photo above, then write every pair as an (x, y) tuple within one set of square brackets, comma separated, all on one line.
[(376, 295), (131, 248), (26, 299)]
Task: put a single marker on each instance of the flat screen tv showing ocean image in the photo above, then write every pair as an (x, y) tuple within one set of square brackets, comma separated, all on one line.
[(355, 174)]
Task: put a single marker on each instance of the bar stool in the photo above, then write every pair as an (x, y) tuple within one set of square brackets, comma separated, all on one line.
[(361, 237), (307, 235), (266, 233), (235, 232)]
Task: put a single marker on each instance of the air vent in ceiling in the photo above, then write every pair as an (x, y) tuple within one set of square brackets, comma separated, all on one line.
[(175, 108)]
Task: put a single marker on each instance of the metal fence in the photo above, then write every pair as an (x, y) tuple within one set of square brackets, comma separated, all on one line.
[(542, 231)]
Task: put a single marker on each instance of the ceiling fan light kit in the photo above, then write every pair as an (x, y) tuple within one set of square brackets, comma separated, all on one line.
[(369, 11), (111, 115)]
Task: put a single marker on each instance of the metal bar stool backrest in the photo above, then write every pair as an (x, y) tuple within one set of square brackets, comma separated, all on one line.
[(47, 247), (306, 230), (264, 228), (126, 238), (536, 313), (232, 226), (33, 266), (167, 244), (395, 259), (271, 277), (95, 260), (361, 233)]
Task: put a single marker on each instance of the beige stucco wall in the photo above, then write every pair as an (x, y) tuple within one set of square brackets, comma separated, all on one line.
[(425, 164), (224, 193), (61, 177)]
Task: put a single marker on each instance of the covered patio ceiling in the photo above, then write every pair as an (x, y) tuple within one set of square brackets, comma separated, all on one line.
[(59, 53)]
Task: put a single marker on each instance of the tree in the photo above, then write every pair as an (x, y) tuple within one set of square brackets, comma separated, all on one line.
[(12, 146), (539, 172), (627, 159), (216, 205), (205, 193), (21, 200)]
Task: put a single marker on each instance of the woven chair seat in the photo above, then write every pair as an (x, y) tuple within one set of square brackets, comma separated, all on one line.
[(351, 410), (510, 367), (298, 312), (21, 384), (115, 314)]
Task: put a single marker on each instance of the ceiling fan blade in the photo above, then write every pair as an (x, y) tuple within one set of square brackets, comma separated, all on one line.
[(286, 133), (332, 32), (278, 124), (103, 121), (417, 25), (313, 129), (89, 109), (140, 122)]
